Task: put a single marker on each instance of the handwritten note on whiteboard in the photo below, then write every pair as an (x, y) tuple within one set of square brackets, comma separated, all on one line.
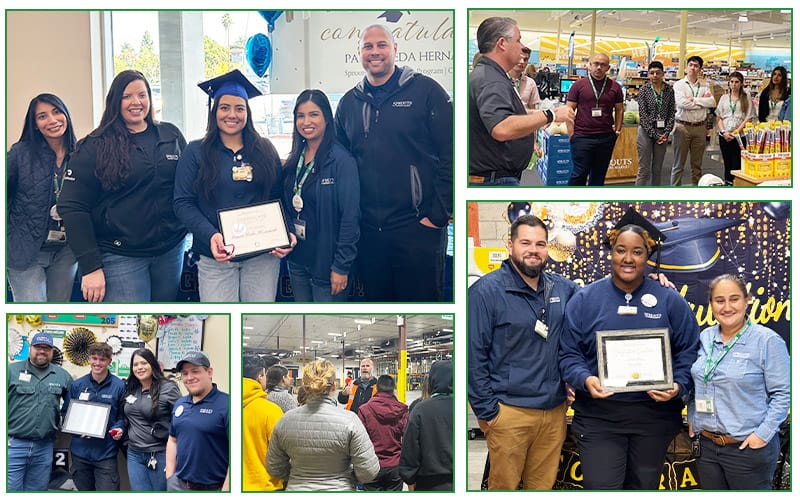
[(181, 335)]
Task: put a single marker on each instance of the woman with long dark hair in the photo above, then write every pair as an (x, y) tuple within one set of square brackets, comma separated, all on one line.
[(321, 192), (733, 113), (231, 166), (147, 406), (773, 95), (278, 382), (41, 267), (117, 200)]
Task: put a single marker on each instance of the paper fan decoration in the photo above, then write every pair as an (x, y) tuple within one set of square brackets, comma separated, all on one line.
[(15, 343), (116, 344), (76, 345), (58, 356), (34, 319)]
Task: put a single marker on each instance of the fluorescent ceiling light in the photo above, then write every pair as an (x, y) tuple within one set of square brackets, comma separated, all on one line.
[(743, 17), (359, 321), (248, 328)]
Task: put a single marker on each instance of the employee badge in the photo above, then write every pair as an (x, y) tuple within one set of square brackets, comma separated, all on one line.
[(300, 229), (130, 399), (627, 309), (54, 236), (25, 377), (297, 202), (244, 172), (649, 300), (596, 112), (541, 328), (660, 124), (704, 405)]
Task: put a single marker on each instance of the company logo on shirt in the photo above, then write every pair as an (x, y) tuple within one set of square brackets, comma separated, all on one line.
[(105, 396), (327, 181), (402, 104), (554, 300), (206, 410), (652, 315), (68, 175), (172, 157)]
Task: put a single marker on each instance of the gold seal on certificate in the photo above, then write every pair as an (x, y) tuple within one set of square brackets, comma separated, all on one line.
[(86, 418), (634, 360), (254, 229)]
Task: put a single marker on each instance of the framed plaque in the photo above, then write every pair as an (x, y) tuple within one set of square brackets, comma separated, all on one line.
[(86, 418), (634, 360), (254, 229)]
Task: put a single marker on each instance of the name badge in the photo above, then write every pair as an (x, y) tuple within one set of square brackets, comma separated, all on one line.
[(56, 237), (300, 229), (243, 173), (660, 124), (597, 112), (541, 329), (704, 405), (25, 377), (130, 399), (627, 310), (84, 396)]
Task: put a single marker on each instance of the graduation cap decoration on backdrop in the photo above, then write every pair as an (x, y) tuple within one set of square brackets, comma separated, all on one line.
[(231, 83), (632, 217)]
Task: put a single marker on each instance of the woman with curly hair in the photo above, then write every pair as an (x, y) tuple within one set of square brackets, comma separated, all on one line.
[(117, 200)]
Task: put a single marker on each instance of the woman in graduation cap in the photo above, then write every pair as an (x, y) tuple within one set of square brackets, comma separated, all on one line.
[(622, 437), (231, 166), (742, 394), (321, 191), (116, 200)]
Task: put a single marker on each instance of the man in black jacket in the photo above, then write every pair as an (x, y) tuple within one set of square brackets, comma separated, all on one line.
[(362, 389), (398, 124)]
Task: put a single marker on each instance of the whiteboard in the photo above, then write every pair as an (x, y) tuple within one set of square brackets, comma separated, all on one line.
[(181, 335)]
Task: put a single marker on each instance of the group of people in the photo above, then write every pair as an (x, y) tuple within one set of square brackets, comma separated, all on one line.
[(533, 351), (373, 443), (171, 442), (372, 186), (503, 118)]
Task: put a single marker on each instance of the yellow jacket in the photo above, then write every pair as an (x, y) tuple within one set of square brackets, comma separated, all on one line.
[(259, 417)]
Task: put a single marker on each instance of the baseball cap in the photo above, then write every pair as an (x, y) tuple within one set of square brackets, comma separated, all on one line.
[(42, 339), (195, 358)]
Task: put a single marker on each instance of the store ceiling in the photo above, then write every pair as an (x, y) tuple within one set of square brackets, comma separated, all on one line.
[(282, 335), (770, 27)]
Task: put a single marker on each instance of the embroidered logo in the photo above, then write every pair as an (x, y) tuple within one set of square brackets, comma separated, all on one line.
[(652, 316), (402, 104), (172, 157), (554, 300), (206, 410), (327, 181)]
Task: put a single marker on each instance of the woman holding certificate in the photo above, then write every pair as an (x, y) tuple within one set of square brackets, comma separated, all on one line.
[(321, 191), (231, 167), (623, 436), (741, 383), (147, 408), (116, 201)]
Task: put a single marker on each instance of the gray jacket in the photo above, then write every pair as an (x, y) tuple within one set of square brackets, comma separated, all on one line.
[(321, 447)]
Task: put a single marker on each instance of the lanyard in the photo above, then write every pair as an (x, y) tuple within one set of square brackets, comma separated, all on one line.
[(56, 185), (691, 87), (772, 104), (659, 99), (594, 89), (712, 365), (300, 178), (733, 106)]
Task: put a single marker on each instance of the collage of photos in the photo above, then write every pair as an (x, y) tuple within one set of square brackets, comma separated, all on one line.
[(453, 249)]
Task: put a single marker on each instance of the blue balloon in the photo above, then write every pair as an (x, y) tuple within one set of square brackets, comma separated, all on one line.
[(258, 51), (270, 16)]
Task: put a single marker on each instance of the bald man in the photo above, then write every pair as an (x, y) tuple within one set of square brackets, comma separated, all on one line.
[(362, 389), (599, 107)]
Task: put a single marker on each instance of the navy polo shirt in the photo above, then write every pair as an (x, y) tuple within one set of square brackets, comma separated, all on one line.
[(201, 431)]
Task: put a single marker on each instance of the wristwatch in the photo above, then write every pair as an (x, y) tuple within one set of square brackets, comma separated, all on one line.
[(549, 115)]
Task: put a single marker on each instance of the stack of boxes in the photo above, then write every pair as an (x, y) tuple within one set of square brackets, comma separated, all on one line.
[(768, 154), (555, 167)]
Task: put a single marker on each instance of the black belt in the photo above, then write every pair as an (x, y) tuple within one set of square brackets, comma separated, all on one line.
[(202, 487)]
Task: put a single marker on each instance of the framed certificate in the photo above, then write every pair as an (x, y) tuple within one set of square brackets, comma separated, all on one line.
[(634, 360), (254, 229), (86, 418)]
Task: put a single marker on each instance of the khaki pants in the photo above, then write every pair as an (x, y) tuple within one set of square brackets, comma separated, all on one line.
[(691, 141), (525, 444)]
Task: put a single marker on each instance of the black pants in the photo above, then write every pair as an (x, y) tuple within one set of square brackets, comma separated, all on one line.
[(402, 264), (388, 479), (623, 445), (591, 156), (731, 157)]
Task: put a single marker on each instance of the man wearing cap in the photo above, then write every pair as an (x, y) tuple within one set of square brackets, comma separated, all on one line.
[(94, 460), (197, 449), (599, 107), (516, 317), (692, 102), (359, 392), (398, 124), (259, 417), (501, 132), (36, 387)]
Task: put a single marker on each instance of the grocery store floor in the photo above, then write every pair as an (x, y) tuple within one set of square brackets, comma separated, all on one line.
[(712, 164)]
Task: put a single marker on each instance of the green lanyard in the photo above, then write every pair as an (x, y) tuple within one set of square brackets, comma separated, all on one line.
[(772, 104), (712, 365), (300, 178), (691, 87), (56, 185), (733, 106), (594, 89), (659, 99)]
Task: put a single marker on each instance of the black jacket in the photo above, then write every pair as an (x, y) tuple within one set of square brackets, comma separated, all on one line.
[(29, 181), (763, 103), (137, 220), (364, 391), (404, 150), (426, 458)]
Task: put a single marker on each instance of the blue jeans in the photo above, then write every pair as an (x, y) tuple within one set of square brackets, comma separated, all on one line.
[(491, 180), (729, 468), (251, 280), (305, 288), (143, 279), (591, 156), (29, 464), (48, 279), (142, 478), (95, 475)]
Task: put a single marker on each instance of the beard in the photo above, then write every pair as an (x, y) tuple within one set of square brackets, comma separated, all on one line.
[(529, 270)]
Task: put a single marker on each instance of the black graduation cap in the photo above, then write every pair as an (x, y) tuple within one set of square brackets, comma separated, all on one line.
[(392, 16), (692, 245), (634, 218), (231, 83)]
